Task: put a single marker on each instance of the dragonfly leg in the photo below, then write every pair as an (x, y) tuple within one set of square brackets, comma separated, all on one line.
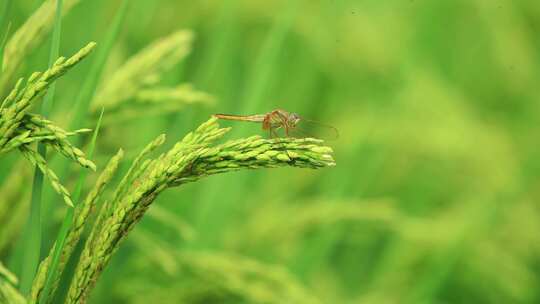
[(273, 133)]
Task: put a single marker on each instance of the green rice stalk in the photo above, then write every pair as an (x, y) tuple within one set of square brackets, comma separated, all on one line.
[(36, 86), (27, 37), (253, 281), (68, 150), (14, 202), (8, 292), (142, 70), (265, 66), (35, 128), (255, 153), (41, 122), (183, 93), (32, 250), (129, 178), (7, 275), (38, 161), (4, 9), (158, 100), (50, 270), (82, 213), (188, 160), (6, 34), (21, 139), (266, 226), (132, 174), (194, 276), (88, 89), (56, 137), (12, 94)]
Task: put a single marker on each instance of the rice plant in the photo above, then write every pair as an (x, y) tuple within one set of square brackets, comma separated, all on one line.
[(119, 185)]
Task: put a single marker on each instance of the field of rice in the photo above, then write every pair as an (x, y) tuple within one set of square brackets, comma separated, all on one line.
[(119, 185)]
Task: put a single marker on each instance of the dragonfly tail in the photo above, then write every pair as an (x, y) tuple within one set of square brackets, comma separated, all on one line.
[(253, 118)]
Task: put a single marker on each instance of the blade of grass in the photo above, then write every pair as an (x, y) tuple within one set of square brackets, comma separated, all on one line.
[(55, 51), (68, 221), (263, 73), (82, 102), (86, 94), (4, 8), (33, 245), (265, 65), (3, 45)]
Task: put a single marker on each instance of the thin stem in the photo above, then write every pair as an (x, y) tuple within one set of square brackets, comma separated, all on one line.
[(33, 241), (67, 224), (33, 245), (86, 94)]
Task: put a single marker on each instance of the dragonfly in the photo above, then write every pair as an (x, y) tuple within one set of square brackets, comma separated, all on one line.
[(292, 124)]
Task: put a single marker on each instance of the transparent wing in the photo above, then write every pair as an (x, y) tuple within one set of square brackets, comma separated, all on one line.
[(311, 128)]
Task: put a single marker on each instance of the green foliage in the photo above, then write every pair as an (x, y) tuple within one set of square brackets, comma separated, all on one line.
[(132, 90), (88, 88), (69, 233), (432, 199), (73, 235), (19, 128), (212, 277), (27, 37), (142, 70), (188, 160), (8, 292)]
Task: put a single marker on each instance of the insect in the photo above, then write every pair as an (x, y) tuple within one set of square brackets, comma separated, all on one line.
[(292, 124)]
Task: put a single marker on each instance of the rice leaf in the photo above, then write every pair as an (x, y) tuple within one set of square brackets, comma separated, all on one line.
[(33, 246), (42, 290), (88, 89)]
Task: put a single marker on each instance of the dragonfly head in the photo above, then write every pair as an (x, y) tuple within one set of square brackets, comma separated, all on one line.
[(293, 119)]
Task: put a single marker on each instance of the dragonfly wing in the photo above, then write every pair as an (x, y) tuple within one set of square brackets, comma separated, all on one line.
[(310, 128)]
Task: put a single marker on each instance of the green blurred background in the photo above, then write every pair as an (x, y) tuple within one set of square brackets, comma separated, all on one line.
[(434, 198)]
